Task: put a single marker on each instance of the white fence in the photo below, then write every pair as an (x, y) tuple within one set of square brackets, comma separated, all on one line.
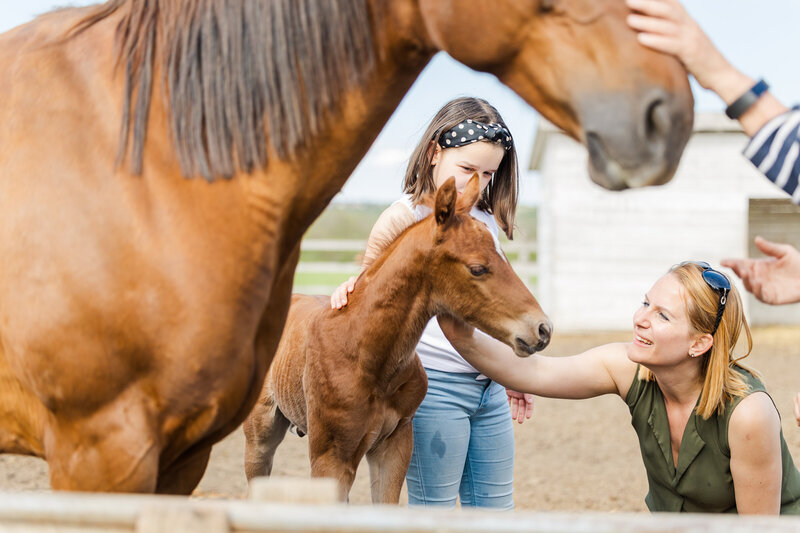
[(521, 254), (316, 513)]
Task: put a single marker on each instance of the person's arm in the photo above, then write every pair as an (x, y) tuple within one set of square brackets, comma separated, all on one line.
[(774, 280), (602, 370), (665, 26), (756, 465), (392, 222)]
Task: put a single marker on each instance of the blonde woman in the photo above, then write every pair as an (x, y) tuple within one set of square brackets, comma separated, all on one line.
[(709, 433)]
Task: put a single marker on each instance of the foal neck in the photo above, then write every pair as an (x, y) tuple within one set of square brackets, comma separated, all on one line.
[(392, 303)]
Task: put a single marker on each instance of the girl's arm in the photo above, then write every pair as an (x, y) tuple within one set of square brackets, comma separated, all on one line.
[(602, 370), (756, 465), (392, 222)]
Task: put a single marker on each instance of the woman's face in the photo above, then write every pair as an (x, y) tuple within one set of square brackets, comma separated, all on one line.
[(663, 336), (481, 157)]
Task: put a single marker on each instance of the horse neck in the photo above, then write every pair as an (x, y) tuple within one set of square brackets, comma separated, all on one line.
[(393, 302), (326, 163)]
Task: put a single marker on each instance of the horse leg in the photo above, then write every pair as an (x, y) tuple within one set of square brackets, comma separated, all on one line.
[(264, 430), (183, 476), (115, 450), (388, 463), (329, 459), (22, 415)]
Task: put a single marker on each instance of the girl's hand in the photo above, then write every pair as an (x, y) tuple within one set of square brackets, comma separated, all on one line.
[(797, 408), (521, 405), (665, 26), (339, 296)]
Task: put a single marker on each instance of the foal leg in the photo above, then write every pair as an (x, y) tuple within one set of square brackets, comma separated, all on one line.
[(388, 463), (264, 430), (329, 459)]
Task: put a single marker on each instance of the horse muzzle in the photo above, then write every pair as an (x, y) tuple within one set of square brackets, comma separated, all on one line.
[(636, 144), (524, 347)]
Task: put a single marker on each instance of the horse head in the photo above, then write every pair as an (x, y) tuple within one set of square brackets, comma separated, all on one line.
[(580, 65), (476, 282)]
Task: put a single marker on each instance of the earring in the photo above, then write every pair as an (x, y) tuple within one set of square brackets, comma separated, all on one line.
[(692, 355)]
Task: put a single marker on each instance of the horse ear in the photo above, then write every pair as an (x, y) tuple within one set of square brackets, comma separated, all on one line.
[(445, 203), (470, 195)]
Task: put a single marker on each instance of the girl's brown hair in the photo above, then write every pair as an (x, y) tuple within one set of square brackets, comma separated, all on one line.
[(501, 195), (721, 381)]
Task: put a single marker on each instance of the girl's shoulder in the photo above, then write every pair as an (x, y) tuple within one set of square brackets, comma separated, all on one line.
[(419, 211)]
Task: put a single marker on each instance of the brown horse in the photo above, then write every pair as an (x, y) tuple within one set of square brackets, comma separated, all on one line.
[(351, 379), (140, 309)]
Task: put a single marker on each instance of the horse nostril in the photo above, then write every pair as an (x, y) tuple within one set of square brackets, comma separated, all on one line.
[(657, 120), (545, 330)]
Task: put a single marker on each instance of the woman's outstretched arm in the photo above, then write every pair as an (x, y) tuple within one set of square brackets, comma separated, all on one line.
[(601, 370)]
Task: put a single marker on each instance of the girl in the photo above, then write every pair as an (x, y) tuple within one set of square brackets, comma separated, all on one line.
[(709, 433), (463, 438)]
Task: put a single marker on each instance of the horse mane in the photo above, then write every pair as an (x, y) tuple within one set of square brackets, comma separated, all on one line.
[(237, 73)]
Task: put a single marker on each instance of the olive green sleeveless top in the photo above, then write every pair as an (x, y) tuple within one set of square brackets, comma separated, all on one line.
[(702, 481)]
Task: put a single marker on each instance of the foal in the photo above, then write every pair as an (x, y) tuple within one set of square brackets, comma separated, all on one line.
[(351, 379)]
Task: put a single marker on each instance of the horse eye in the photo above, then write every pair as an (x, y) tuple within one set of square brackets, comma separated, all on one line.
[(546, 6), (478, 270)]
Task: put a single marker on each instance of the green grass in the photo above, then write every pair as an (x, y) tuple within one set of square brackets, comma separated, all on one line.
[(354, 222)]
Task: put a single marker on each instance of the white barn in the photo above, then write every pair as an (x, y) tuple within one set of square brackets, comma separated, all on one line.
[(600, 251)]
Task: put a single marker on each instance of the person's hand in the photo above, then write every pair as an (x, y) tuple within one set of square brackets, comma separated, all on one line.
[(339, 296), (797, 408), (521, 405), (774, 280), (665, 26)]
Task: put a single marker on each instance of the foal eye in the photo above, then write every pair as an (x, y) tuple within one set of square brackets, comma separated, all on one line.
[(478, 270), (546, 6)]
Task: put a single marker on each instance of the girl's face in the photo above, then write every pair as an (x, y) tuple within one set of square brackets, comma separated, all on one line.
[(481, 157), (663, 336)]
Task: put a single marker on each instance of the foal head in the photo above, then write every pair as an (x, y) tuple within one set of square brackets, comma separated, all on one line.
[(474, 281)]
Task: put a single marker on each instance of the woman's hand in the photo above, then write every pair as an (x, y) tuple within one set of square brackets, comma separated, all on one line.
[(665, 26), (521, 405), (339, 296)]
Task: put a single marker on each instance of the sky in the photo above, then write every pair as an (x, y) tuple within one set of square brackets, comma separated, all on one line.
[(754, 36)]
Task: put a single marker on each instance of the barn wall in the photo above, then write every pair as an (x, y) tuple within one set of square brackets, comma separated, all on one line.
[(600, 251)]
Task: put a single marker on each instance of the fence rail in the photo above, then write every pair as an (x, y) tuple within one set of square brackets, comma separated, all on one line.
[(95, 513), (521, 254)]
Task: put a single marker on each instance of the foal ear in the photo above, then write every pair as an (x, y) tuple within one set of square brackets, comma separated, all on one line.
[(470, 195), (445, 203)]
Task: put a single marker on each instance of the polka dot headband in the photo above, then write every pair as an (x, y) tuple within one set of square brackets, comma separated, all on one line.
[(471, 131)]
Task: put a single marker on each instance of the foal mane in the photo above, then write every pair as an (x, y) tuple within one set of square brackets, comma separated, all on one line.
[(237, 73)]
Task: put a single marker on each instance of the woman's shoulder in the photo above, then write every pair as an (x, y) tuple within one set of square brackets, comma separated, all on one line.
[(755, 414)]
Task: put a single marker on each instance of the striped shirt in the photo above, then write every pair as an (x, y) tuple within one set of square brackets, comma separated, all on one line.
[(774, 151)]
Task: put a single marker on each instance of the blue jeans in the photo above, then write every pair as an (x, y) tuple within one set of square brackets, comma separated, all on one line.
[(463, 444)]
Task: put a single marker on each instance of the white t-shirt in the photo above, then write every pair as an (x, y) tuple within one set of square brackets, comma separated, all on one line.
[(435, 351)]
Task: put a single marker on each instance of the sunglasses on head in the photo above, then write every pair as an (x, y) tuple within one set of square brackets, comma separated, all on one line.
[(717, 281)]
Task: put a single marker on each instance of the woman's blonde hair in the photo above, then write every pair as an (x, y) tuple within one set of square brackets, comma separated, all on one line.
[(721, 381), (501, 195)]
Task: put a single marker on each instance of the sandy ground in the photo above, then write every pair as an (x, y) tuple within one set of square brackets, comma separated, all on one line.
[(571, 456)]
